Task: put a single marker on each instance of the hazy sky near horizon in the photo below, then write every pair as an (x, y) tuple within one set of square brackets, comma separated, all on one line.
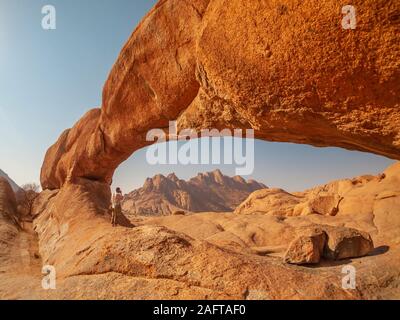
[(49, 79)]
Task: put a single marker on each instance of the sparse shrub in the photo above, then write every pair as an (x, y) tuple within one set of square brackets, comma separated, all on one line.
[(26, 197)]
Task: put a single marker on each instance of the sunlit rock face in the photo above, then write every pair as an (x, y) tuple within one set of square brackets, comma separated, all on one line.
[(287, 69)]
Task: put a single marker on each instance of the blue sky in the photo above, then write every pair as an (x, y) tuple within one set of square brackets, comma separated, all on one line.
[(49, 79)]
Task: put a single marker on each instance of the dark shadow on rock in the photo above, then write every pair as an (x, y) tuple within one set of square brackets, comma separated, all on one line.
[(123, 221), (379, 250), (326, 263)]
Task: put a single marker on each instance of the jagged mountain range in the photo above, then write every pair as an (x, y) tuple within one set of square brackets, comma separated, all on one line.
[(211, 191)]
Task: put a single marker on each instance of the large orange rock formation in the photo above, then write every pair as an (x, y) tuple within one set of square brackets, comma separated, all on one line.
[(215, 255), (285, 68)]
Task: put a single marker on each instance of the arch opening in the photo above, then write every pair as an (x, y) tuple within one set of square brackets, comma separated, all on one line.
[(160, 188)]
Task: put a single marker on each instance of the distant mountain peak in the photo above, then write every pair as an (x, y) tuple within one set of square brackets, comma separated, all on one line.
[(209, 191), (173, 177)]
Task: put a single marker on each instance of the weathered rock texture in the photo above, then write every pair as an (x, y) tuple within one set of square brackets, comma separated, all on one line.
[(286, 69), (210, 191), (374, 198), (334, 243), (12, 183), (8, 217), (213, 255), (197, 256), (75, 238), (8, 201), (344, 243), (307, 248)]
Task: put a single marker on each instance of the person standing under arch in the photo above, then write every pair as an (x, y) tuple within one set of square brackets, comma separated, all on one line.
[(116, 206)]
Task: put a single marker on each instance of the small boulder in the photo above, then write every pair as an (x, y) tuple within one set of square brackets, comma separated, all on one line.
[(333, 243), (344, 243), (307, 248)]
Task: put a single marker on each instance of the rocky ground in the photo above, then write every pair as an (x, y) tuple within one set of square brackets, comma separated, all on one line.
[(199, 256)]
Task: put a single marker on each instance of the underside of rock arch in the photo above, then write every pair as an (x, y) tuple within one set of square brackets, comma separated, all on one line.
[(284, 68)]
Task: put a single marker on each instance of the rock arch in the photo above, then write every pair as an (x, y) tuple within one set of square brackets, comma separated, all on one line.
[(286, 69)]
